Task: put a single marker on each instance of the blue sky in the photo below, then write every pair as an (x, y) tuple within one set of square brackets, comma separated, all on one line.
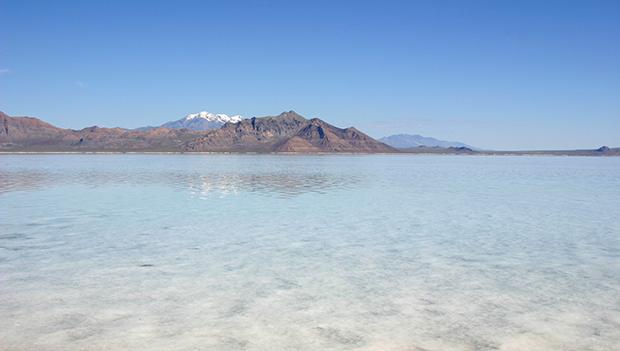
[(494, 74)]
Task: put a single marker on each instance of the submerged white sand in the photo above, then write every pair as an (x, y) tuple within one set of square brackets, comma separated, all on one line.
[(162, 252)]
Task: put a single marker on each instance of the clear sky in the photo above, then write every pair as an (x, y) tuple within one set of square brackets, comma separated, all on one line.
[(494, 74)]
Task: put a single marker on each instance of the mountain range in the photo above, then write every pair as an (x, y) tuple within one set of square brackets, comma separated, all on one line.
[(287, 132), (207, 120)]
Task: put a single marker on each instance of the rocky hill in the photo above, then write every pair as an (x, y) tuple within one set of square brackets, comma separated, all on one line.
[(287, 132)]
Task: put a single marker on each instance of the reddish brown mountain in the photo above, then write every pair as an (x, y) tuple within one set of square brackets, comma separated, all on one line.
[(27, 129), (32, 134)]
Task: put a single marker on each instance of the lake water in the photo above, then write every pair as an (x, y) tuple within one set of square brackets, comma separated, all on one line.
[(260, 252)]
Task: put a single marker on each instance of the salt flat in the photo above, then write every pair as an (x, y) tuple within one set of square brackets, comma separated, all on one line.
[(277, 252)]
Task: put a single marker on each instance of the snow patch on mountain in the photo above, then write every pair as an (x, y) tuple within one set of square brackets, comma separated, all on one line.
[(203, 120), (214, 117)]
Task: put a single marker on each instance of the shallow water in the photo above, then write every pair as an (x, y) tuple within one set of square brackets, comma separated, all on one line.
[(258, 252)]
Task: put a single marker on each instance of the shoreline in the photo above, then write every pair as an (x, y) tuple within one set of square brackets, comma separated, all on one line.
[(579, 153)]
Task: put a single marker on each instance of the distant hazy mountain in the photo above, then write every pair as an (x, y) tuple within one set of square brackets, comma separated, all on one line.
[(404, 141), (199, 121)]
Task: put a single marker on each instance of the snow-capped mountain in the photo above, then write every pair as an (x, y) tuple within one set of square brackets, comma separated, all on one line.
[(213, 117), (200, 121)]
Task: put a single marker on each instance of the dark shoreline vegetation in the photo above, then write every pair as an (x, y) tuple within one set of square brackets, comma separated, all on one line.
[(287, 133)]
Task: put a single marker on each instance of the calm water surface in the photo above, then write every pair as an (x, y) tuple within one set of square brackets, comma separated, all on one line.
[(223, 252)]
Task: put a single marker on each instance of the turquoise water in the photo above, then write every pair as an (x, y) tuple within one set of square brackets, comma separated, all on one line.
[(258, 252)]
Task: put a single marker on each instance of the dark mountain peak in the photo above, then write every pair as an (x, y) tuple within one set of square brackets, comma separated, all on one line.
[(603, 149), (353, 130), (313, 130), (291, 115)]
